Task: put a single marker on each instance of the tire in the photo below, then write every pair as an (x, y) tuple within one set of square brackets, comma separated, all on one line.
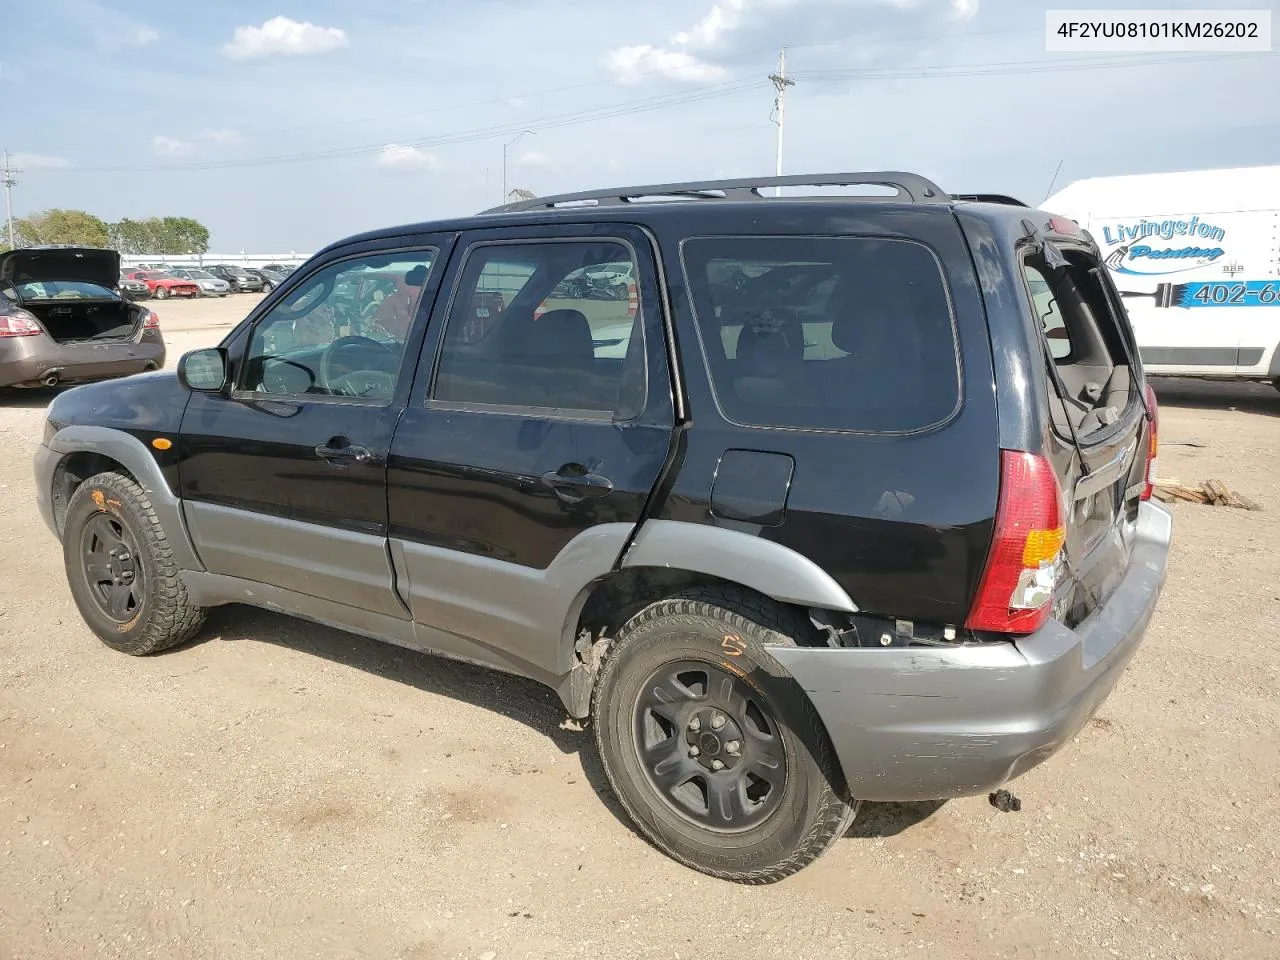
[(151, 617), (162, 293), (697, 642)]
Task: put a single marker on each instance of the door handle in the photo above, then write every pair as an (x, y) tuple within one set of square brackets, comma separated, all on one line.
[(339, 451), (573, 484)]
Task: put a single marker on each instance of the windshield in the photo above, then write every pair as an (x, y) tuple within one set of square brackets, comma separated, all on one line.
[(200, 274), (63, 290)]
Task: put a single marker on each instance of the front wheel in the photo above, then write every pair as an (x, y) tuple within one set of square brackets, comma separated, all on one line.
[(162, 293), (123, 577), (711, 746)]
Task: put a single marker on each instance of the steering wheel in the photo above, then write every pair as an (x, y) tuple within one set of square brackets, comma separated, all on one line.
[(359, 382), (364, 383)]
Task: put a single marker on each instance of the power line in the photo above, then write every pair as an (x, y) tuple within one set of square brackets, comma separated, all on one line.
[(626, 108), (589, 84), (1012, 67)]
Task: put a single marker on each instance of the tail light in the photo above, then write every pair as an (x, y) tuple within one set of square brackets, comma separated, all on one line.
[(16, 325), (150, 321), (1016, 591), (1153, 448)]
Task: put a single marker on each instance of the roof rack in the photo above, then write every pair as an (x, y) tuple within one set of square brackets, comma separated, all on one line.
[(911, 187), (988, 198)]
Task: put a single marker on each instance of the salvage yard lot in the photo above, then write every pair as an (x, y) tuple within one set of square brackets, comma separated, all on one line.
[(281, 790)]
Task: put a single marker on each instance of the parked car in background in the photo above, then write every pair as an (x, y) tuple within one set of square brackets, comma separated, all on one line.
[(133, 289), (270, 278), (62, 321), (845, 524), (238, 278), (210, 286), (164, 285), (284, 269)]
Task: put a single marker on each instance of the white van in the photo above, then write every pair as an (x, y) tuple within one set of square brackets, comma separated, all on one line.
[(1197, 257)]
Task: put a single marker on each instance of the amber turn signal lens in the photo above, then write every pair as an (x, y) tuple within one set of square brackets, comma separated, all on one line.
[(162, 443)]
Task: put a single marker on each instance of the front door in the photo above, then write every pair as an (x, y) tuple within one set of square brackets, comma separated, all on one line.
[(284, 474), (539, 422)]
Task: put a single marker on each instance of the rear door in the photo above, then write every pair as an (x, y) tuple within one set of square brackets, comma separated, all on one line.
[(1099, 431), (540, 419)]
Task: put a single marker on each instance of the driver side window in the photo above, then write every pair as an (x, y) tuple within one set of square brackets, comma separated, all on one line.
[(341, 332)]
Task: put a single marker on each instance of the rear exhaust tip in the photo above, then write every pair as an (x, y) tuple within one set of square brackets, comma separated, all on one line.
[(51, 378)]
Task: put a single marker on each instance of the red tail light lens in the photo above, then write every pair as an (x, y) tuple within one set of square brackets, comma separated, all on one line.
[(1153, 448), (12, 325), (150, 321), (1016, 591)]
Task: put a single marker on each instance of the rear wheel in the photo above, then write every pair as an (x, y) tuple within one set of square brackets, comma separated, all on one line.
[(121, 570), (711, 746)]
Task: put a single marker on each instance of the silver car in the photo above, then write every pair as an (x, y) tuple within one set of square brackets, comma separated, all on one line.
[(210, 286)]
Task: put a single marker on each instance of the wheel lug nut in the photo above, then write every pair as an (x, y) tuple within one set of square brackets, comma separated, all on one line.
[(732, 747), (695, 723), (717, 764), (717, 721), (694, 751)]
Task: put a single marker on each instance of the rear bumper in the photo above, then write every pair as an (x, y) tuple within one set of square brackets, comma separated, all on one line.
[(933, 723), (29, 360)]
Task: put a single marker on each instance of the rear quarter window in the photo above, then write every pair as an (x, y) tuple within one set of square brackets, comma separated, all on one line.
[(825, 333)]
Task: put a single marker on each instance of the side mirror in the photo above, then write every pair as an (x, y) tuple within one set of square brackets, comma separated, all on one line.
[(203, 370)]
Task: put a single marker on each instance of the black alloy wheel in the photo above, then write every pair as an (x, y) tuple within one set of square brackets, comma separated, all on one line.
[(710, 746), (115, 578)]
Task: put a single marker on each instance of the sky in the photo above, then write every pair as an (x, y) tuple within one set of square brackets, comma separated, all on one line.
[(285, 125)]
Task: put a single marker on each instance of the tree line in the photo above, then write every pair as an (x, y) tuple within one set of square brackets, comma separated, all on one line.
[(155, 235)]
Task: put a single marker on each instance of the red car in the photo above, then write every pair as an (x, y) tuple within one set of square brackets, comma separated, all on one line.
[(164, 285)]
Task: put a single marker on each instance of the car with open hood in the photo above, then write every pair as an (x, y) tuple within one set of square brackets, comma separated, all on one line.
[(63, 319)]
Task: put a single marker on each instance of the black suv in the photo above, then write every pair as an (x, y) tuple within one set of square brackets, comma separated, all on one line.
[(240, 279), (848, 498)]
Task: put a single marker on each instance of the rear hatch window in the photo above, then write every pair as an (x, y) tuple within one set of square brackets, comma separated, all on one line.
[(1098, 420)]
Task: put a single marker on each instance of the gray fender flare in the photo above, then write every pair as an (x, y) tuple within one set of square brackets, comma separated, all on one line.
[(764, 566), (134, 456)]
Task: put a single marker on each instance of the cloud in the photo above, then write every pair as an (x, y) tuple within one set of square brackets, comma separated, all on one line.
[(631, 64), (406, 158), (284, 36), (685, 56), (38, 161), (175, 147), (125, 35)]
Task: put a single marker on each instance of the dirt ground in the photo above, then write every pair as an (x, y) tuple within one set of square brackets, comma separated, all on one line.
[(281, 790)]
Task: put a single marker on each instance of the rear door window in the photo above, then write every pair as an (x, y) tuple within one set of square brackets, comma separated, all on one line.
[(545, 324), (826, 333)]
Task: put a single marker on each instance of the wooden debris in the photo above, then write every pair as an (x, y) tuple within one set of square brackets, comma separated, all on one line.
[(1213, 493)]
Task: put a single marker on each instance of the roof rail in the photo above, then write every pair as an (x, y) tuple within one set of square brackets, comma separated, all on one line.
[(988, 198), (910, 186)]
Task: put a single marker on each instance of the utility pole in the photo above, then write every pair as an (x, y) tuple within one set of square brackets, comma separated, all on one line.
[(780, 83), (9, 177), (505, 147)]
